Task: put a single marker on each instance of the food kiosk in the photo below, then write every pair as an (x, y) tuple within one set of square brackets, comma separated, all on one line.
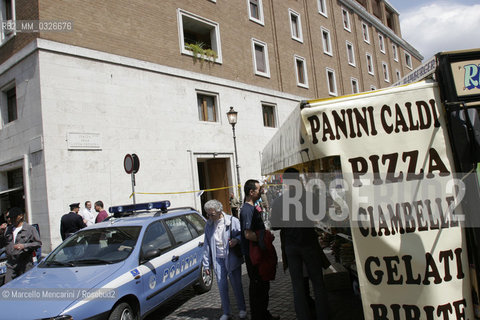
[(396, 173)]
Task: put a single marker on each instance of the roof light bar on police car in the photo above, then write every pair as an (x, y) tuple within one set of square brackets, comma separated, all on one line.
[(162, 205)]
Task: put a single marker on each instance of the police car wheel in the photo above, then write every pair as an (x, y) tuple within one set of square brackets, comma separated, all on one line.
[(123, 311), (204, 281)]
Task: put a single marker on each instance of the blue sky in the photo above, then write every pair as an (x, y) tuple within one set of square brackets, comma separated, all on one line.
[(432, 26)]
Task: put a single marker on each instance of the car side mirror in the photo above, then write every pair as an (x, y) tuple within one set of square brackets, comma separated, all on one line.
[(150, 254)]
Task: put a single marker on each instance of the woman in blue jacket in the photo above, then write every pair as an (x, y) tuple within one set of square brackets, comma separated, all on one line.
[(222, 234)]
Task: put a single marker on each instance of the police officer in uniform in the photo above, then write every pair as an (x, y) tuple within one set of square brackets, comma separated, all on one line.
[(71, 222)]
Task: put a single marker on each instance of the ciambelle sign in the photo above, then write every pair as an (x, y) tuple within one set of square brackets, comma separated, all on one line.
[(400, 195)]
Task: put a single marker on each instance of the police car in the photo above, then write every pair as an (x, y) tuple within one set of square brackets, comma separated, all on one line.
[(3, 265), (122, 268)]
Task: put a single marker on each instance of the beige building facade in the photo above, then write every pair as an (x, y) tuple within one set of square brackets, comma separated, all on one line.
[(321, 33)]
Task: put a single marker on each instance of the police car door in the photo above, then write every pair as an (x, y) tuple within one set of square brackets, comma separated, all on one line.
[(187, 253), (156, 288)]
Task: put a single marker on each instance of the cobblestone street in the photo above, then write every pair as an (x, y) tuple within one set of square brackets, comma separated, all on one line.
[(187, 305)]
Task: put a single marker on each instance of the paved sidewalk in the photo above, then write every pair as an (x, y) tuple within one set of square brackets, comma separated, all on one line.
[(187, 305)]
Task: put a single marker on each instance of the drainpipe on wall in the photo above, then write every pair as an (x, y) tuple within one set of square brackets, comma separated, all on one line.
[(193, 178), (26, 187)]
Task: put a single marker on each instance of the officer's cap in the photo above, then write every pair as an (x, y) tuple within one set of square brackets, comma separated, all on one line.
[(74, 205)]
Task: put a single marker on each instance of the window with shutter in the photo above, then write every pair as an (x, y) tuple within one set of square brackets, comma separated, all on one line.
[(207, 110), (260, 58), (295, 26), (268, 115), (301, 72)]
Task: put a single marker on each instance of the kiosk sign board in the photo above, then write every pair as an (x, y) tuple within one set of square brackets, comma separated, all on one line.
[(401, 197), (409, 246), (458, 74), (421, 72), (466, 77)]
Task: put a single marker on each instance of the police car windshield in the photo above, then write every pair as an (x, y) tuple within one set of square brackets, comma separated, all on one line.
[(94, 247)]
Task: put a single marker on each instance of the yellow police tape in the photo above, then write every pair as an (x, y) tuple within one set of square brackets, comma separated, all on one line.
[(194, 191), (180, 192)]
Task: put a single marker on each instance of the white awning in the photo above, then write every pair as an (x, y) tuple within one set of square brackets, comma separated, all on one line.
[(287, 147)]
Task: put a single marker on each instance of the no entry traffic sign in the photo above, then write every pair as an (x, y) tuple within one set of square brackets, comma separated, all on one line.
[(131, 163)]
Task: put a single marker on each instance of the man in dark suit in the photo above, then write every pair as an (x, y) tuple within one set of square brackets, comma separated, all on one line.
[(71, 222)]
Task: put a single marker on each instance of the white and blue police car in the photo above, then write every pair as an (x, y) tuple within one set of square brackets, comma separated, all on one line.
[(122, 268)]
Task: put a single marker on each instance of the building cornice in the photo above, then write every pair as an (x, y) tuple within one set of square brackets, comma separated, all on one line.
[(365, 15), (389, 5), (80, 52), (18, 56)]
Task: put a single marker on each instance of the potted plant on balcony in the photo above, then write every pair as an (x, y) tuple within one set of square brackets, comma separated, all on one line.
[(200, 53)]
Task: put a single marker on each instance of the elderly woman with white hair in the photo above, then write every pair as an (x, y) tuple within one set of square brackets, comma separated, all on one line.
[(222, 234)]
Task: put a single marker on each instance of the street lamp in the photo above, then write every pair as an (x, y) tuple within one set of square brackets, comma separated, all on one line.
[(232, 119)]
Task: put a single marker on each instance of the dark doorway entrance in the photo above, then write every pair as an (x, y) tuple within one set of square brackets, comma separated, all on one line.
[(13, 195), (212, 174)]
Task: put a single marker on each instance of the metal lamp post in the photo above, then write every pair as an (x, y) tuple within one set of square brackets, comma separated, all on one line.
[(232, 119)]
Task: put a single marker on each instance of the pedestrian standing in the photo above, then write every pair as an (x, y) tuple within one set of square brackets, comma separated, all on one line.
[(264, 203), (71, 222), (4, 218), (234, 205), (301, 250), (21, 240), (222, 235), (88, 214), (251, 222), (102, 214)]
